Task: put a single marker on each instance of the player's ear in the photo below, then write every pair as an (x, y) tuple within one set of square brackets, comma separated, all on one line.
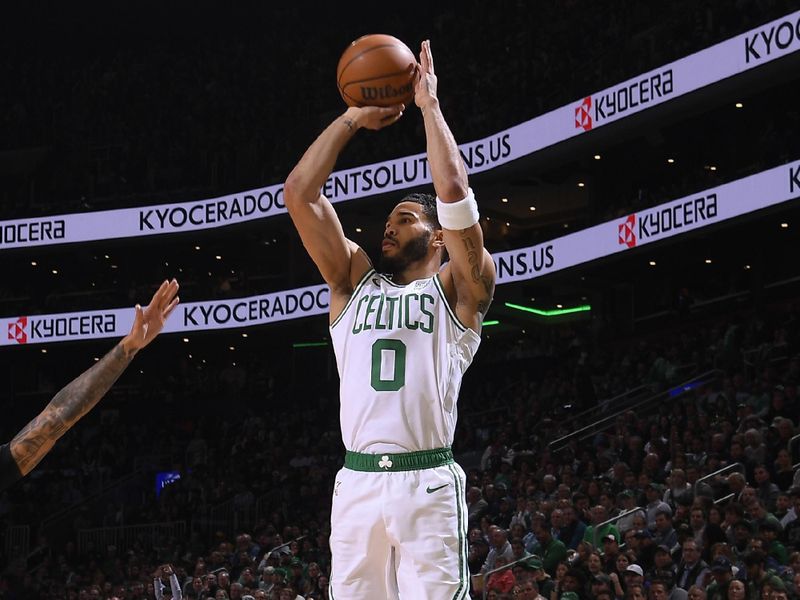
[(437, 239)]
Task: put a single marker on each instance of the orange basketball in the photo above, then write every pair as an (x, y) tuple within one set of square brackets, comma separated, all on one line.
[(376, 70)]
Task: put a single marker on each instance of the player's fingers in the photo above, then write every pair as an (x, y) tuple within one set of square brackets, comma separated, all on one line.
[(171, 307), (392, 111), (390, 119), (138, 317), (159, 293), (171, 291), (166, 293), (429, 55), (417, 74)]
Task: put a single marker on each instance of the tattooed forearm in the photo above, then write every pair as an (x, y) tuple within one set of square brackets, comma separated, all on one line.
[(36, 439), (475, 258), (350, 124)]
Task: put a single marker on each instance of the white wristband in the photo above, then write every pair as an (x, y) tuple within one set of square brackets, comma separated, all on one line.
[(458, 215)]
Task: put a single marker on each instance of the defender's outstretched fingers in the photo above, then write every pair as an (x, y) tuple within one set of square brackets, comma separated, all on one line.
[(171, 307)]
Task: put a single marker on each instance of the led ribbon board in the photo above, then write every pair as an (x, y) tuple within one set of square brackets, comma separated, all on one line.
[(727, 59), (661, 222)]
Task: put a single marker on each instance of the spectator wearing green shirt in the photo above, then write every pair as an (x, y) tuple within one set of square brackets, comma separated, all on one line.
[(551, 550), (774, 548), (723, 576), (599, 515)]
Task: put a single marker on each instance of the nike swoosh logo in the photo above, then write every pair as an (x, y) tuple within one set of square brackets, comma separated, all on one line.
[(430, 490)]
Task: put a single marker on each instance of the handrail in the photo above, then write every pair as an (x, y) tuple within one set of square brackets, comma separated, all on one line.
[(603, 405), (271, 550), (17, 540), (731, 467), (730, 496), (122, 536), (673, 392), (596, 529), (789, 445)]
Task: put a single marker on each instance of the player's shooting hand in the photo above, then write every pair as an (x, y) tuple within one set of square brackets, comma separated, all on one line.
[(149, 321), (375, 117), (425, 89)]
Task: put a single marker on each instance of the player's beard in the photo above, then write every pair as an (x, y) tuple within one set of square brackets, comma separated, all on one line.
[(414, 250)]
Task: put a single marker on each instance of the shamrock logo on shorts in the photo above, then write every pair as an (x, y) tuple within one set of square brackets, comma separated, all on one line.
[(385, 463)]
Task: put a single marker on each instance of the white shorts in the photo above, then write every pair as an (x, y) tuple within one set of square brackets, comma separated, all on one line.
[(399, 535)]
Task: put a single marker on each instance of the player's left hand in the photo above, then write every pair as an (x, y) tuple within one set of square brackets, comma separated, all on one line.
[(149, 321), (425, 89)]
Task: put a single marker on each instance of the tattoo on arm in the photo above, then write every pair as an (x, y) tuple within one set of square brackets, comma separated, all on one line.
[(472, 255), (36, 439), (349, 124), (474, 258)]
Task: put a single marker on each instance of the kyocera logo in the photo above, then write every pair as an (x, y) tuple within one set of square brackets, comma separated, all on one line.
[(627, 231), (583, 115), (17, 330), (766, 41)]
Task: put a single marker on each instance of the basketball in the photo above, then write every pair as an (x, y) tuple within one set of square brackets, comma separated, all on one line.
[(376, 70)]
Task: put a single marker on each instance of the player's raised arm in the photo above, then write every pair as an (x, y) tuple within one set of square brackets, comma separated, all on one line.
[(470, 264), (311, 212), (36, 439)]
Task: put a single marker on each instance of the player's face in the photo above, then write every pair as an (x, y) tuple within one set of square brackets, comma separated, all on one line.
[(406, 237)]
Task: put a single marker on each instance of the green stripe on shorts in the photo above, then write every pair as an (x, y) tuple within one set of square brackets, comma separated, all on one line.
[(462, 587)]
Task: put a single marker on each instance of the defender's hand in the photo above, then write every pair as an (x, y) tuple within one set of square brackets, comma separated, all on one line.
[(149, 321)]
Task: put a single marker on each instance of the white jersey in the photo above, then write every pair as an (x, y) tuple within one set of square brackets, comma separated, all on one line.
[(401, 353)]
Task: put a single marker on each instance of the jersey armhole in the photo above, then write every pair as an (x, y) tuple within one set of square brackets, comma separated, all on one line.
[(438, 284), (357, 289)]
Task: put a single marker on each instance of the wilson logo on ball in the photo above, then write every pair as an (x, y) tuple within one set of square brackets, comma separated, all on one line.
[(369, 93), (377, 70)]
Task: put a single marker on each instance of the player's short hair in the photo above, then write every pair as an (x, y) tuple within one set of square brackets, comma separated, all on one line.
[(428, 204)]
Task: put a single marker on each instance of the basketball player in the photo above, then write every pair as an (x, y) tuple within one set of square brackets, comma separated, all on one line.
[(403, 339), (34, 441)]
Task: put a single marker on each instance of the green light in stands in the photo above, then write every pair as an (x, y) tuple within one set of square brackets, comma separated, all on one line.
[(309, 344), (490, 323), (550, 313)]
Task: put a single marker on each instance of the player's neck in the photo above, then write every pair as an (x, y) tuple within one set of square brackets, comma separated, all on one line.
[(419, 270)]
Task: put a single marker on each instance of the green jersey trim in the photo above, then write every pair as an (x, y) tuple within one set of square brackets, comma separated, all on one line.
[(390, 282)]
